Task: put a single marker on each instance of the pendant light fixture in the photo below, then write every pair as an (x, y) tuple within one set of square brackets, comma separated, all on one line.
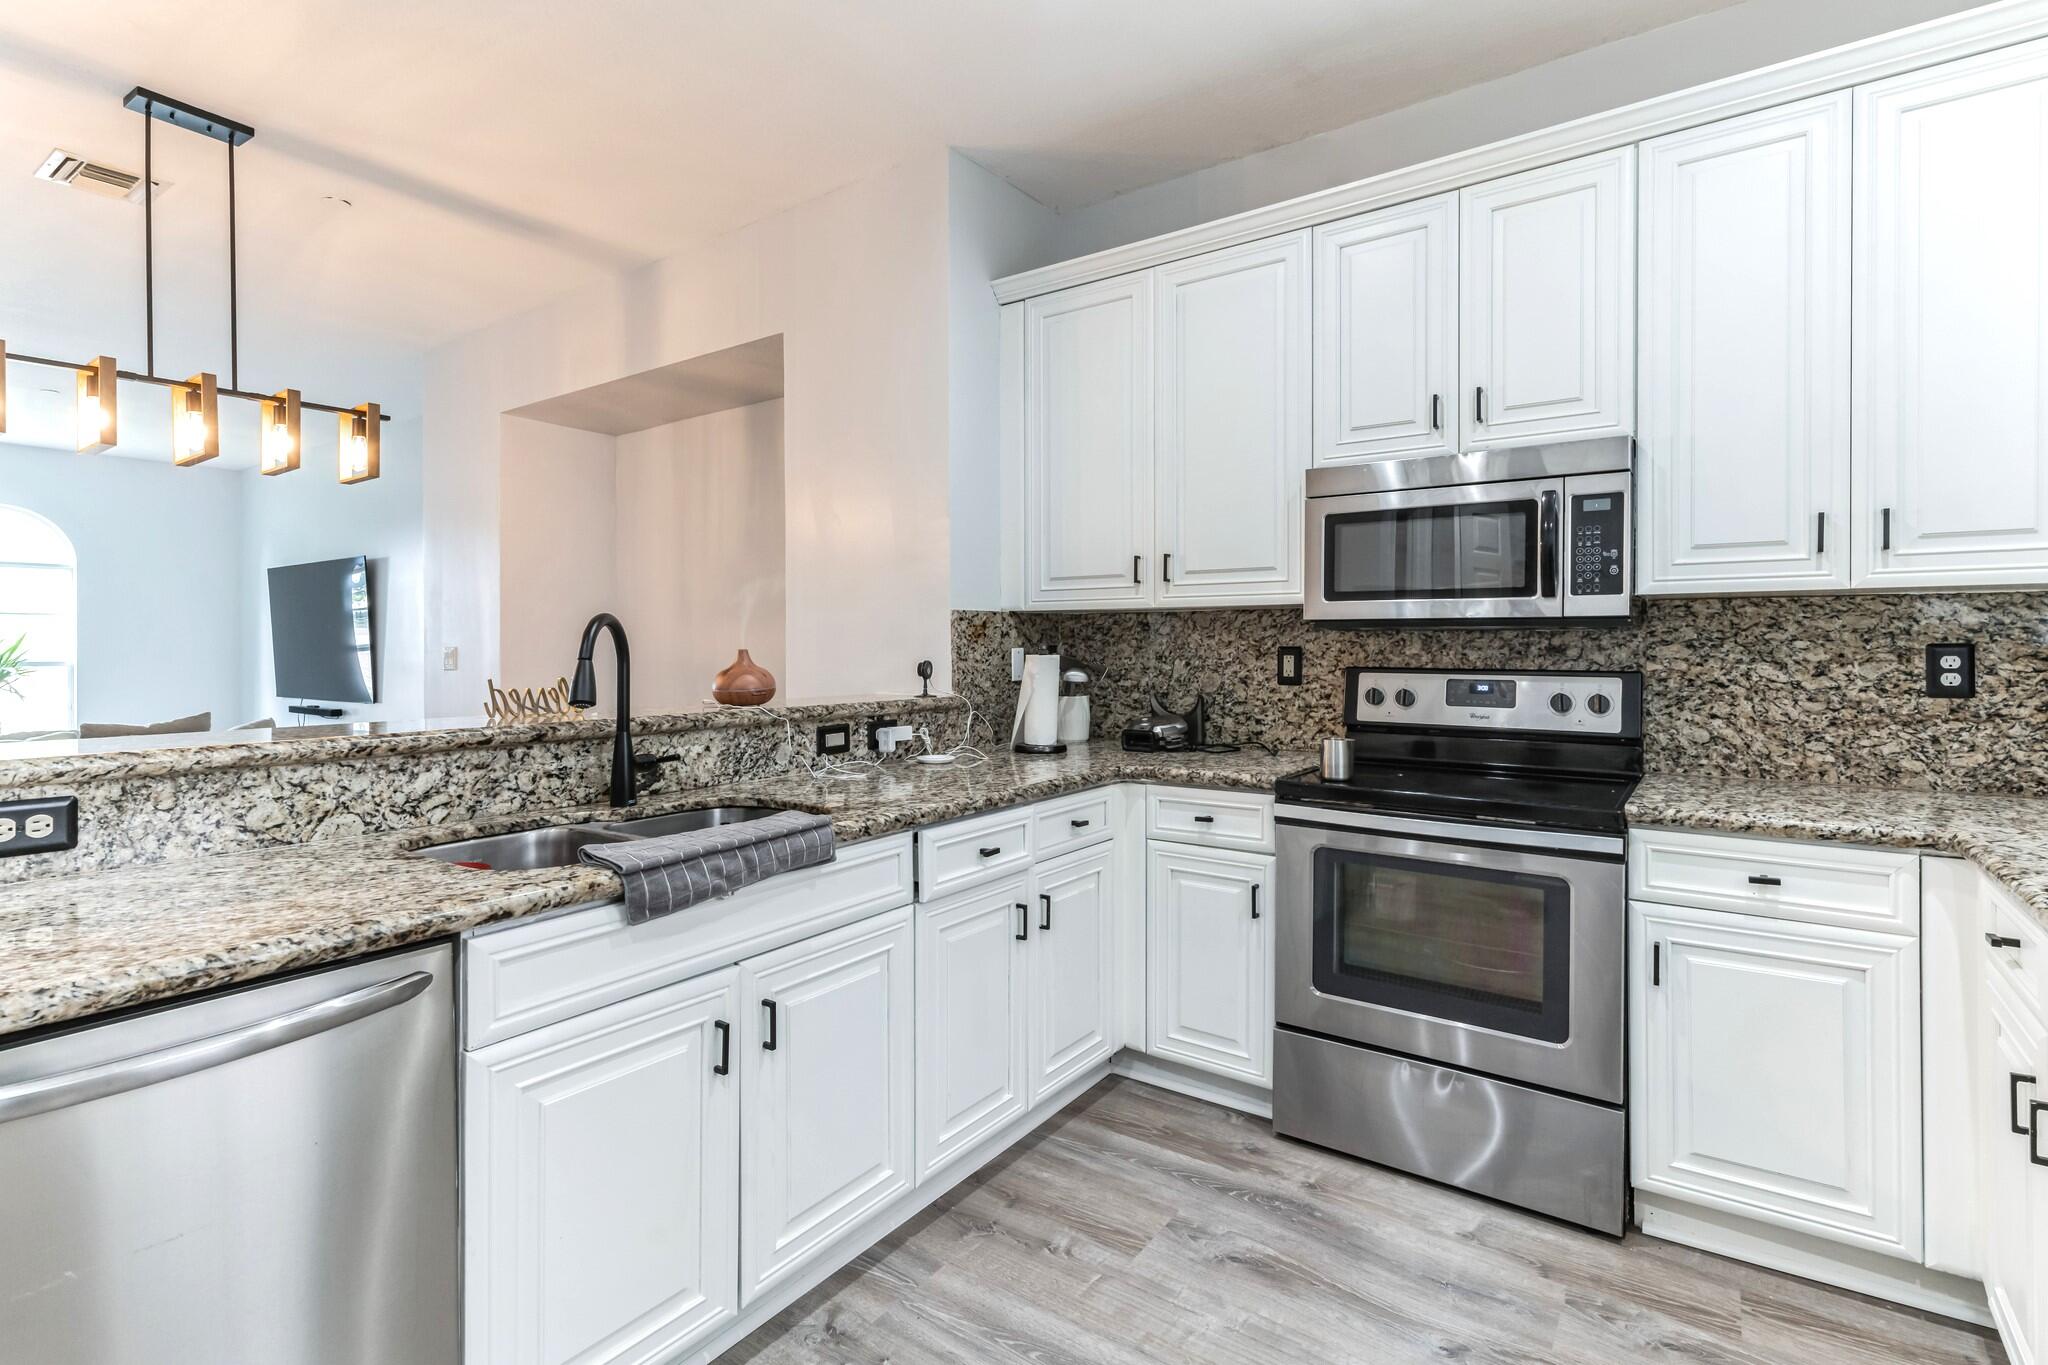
[(281, 433), (195, 402)]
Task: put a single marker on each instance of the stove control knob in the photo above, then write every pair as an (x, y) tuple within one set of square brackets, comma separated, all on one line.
[(1404, 698), (1599, 703), (1375, 697), (1561, 702)]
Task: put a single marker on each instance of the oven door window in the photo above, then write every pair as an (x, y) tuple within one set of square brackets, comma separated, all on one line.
[(1483, 549), (1470, 945)]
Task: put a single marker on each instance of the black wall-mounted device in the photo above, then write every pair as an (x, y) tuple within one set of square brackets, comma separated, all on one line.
[(1290, 668), (1952, 670)]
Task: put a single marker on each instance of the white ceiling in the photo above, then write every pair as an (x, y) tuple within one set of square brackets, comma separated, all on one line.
[(421, 170)]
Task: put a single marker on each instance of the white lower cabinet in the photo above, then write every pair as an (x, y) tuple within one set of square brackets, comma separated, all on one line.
[(972, 994), (601, 1182), (1072, 1020), (1209, 952), (1777, 1072), (2014, 1197), (828, 1075)]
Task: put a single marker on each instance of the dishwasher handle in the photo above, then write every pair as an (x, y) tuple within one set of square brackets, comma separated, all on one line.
[(66, 1088)]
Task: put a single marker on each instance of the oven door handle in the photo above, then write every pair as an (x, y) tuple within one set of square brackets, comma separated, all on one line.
[(1547, 542)]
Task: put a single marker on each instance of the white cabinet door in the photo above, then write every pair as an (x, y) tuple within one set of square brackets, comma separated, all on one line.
[(1210, 960), (2013, 1057), (1951, 359), (1073, 967), (1743, 464), (1088, 444), (1386, 333), (828, 1116), (972, 994), (1232, 423), (1776, 1072), (1547, 303), (601, 1182)]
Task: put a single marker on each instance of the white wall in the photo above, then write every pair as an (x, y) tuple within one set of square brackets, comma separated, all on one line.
[(1708, 47), (557, 521), (856, 283), (160, 612), (993, 230), (701, 560)]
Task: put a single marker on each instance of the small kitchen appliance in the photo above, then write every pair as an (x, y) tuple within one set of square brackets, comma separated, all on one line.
[(1450, 935), (1162, 729), (1529, 536)]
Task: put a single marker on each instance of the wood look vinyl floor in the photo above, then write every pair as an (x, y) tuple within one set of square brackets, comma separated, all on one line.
[(1139, 1225)]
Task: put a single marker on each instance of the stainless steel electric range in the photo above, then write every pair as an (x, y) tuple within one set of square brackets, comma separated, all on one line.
[(1451, 928)]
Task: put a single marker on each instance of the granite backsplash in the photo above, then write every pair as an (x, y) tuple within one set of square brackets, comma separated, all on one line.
[(1827, 689)]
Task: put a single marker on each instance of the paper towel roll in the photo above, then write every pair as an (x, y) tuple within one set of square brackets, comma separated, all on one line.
[(1038, 704)]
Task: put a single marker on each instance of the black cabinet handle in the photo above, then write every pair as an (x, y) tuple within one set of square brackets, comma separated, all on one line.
[(1820, 533), (2014, 1080), (1886, 518), (1436, 412), (1255, 900), (1023, 921), (2034, 1108), (1656, 964), (1479, 404), (1045, 913), (724, 1066), (1762, 879), (1136, 560), (1205, 819), (1166, 567), (768, 1043), (1078, 824), (989, 852), (2001, 941)]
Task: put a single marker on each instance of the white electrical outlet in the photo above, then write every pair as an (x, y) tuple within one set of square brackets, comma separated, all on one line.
[(6, 829), (39, 826)]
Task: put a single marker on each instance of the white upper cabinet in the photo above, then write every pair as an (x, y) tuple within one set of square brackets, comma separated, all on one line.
[(1547, 302), (1232, 347), (1088, 444), (1743, 464), (1951, 358), (1386, 333)]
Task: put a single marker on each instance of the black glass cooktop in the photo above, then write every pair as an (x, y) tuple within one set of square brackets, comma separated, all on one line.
[(1561, 801)]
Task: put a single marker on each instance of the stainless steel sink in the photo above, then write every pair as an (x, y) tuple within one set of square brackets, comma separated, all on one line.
[(534, 848), (685, 821)]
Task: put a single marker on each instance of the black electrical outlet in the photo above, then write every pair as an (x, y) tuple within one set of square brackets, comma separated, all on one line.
[(40, 824), (1289, 672), (835, 739), (1951, 670)]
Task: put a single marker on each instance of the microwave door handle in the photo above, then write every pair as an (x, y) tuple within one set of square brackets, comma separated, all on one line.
[(1547, 542)]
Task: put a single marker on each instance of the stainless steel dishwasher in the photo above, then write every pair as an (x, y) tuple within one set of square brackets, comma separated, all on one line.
[(265, 1174)]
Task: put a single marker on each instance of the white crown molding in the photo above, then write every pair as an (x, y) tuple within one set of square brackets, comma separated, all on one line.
[(1889, 54)]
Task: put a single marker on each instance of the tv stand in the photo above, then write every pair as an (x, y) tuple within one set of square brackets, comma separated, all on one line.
[(323, 712)]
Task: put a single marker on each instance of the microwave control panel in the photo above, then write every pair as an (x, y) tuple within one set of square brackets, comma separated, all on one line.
[(1598, 520)]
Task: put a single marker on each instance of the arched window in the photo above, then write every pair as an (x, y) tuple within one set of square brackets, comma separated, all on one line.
[(38, 608)]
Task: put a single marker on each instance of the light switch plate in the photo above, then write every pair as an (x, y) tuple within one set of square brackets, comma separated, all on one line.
[(835, 740), (1952, 670)]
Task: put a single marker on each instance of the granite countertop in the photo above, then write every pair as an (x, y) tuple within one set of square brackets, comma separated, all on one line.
[(2007, 836), (78, 945)]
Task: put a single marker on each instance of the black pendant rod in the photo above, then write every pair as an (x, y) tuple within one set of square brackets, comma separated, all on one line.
[(148, 236), (234, 295), (161, 382)]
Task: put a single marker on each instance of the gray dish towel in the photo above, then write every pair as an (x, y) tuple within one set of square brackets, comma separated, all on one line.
[(676, 871)]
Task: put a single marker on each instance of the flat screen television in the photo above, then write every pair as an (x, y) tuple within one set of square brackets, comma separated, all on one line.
[(321, 631)]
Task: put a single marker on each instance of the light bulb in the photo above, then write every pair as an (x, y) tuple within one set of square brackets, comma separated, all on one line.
[(360, 434), (98, 420), (281, 428), (195, 420)]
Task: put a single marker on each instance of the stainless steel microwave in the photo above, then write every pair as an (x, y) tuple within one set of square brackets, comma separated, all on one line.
[(1530, 536)]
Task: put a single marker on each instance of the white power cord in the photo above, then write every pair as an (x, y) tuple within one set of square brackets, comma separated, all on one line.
[(963, 754), (827, 768)]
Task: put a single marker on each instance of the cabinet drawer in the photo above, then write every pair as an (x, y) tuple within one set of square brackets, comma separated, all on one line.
[(969, 852), (1855, 888), (2022, 968), (542, 970), (1077, 822), (1242, 820)]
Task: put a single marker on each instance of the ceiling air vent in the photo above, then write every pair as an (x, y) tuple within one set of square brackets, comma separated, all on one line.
[(63, 168)]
